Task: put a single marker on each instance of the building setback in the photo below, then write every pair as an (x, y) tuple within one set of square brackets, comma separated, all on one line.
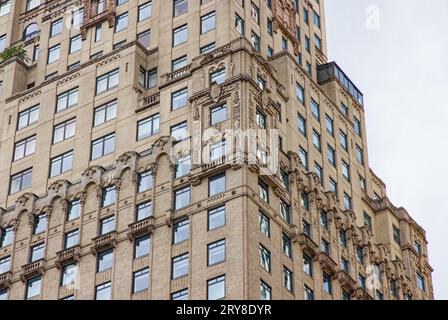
[(122, 177)]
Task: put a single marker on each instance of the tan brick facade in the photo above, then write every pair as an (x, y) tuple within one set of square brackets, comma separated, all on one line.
[(393, 248)]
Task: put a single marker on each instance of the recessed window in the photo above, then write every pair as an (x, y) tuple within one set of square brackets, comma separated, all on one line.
[(331, 155), (179, 63), (218, 76), (304, 201), (303, 157), (286, 245), (144, 211), (216, 288), (105, 260), (75, 44), (144, 181), (53, 54), (56, 27), (179, 99), (264, 223), (24, 148), (182, 166), (121, 22), (315, 111), (68, 275), (343, 140), (208, 22), (325, 247), (218, 114), (64, 131), (103, 291), (342, 237), (345, 170), (396, 234), (420, 282), (20, 181), (239, 24), (5, 264), (105, 113), (326, 283), (180, 7), (323, 219), (180, 35), (144, 11), (108, 196), (148, 127), (255, 12), (107, 81), (180, 295), (179, 132), (285, 211), (107, 225), (144, 38), (181, 231), (103, 146), (288, 279), (301, 124), (28, 117), (255, 40), (265, 258), (6, 236), (359, 155), (265, 291), (179, 266), (309, 294), (33, 287), (61, 164), (71, 239), (300, 93), (218, 150), (140, 280), (347, 202), (37, 252), (307, 265), (216, 218), (316, 140), (67, 99), (142, 246), (207, 48), (216, 252), (216, 185), (329, 125)]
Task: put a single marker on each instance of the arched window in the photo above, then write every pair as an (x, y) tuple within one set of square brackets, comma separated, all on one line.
[(30, 31)]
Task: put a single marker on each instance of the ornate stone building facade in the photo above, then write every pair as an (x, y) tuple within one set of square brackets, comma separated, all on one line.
[(125, 175)]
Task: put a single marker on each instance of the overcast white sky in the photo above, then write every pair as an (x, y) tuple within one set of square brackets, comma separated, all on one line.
[(401, 66)]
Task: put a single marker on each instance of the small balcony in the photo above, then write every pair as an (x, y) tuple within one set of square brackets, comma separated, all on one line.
[(308, 245), (148, 102), (104, 242), (176, 75), (33, 269), (141, 228), (68, 256), (346, 281), (5, 280), (327, 263)]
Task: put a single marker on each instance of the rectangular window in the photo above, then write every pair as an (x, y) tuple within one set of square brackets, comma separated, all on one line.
[(144, 11), (316, 140), (329, 125), (68, 275), (288, 279), (180, 7), (75, 44), (64, 131), (103, 291), (347, 202), (216, 185), (71, 239), (108, 196), (107, 225), (53, 54), (180, 295), (180, 35), (315, 111), (216, 218), (28, 117), (368, 221), (287, 246), (264, 222), (105, 260), (326, 283), (342, 237), (218, 114), (304, 201), (182, 166), (20, 181), (218, 76), (144, 38), (144, 211), (285, 211), (208, 22), (6, 236), (345, 170), (179, 266), (144, 181), (255, 40), (37, 252), (142, 246), (105, 113), (107, 81), (179, 63), (309, 294), (357, 126), (239, 25), (331, 155), (181, 231), (61, 164), (263, 191), (103, 146), (307, 265), (98, 33), (420, 282), (255, 12), (179, 132), (33, 287), (67, 99), (181, 198), (343, 140), (218, 150), (207, 48), (5, 264), (396, 234), (303, 156), (56, 27), (300, 93), (216, 252), (359, 155), (265, 258), (265, 291), (179, 99), (148, 127), (24, 148), (121, 22), (216, 288), (323, 219), (140, 280), (325, 247)]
